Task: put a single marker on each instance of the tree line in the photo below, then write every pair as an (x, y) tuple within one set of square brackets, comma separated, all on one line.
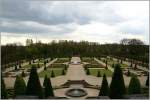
[(127, 48)]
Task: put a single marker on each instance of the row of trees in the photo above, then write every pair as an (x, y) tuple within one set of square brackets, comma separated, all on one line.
[(133, 49), (117, 88)]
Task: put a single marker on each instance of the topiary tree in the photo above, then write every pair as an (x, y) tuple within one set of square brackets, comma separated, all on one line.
[(44, 80), (44, 63), (19, 65), (134, 86), (52, 74), (147, 81), (15, 67), (98, 74), (45, 68), (20, 86), (48, 90), (63, 72), (65, 67), (88, 71), (30, 62), (34, 86), (23, 74), (106, 65), (113, 65), (104, 91), (4, 94), (117, 86), (128, 73)]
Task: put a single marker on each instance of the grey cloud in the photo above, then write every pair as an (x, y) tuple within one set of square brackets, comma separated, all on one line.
[(21, 10)]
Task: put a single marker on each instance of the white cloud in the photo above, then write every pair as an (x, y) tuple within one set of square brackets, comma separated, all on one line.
[(96, 21)]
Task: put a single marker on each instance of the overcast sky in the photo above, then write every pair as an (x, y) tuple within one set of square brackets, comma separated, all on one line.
[(96, 21)]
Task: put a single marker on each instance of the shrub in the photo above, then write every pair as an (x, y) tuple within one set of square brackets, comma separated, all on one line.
[(98, 74), (34, 86), (63, 72), (117, 86), (104, 91), (134, 86), (48, 90), (23, 74), (4, 94), (147, 81), (88, 71), (52, 74), (20, 86)]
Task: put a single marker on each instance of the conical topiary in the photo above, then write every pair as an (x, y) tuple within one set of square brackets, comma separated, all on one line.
[(147, 81), (63, 72), (134, 86), (20, 86), (23, 74), (33, 86), (48, 90), (52, 74), (117, 86), (88, 71), (4, 94), (104, 91), (98, 74)]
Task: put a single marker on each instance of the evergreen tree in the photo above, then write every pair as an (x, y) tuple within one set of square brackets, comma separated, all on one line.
[(48, 90), (128, 73), (134, 86), (52, 74), (65, 67), (15, 67), (44, 80), (98, 74), (106, 64), (4, 94), (20, 86), (23, 74), (104, 91), (117, 86), (88, 71), (63, 72), (113, 65), (45, 68), (34, 86), (19, 65), (147, 81)]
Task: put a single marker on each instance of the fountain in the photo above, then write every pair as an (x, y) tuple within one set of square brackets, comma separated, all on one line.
[(76, 92)]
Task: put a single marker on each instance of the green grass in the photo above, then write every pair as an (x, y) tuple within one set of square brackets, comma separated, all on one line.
[(57, 71), (94, 71), (110, 62), (41, 61), (59, 65), (29, 66), (62, 60), (89, 60)]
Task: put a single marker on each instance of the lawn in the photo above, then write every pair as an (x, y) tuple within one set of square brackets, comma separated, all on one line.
[(89, 60), (35, 64), (94, 71), (57, 72), (111, 62), (58, 65), (62, 60)]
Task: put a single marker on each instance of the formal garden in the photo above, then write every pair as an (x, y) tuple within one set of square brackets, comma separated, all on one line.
[(52, 73)]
